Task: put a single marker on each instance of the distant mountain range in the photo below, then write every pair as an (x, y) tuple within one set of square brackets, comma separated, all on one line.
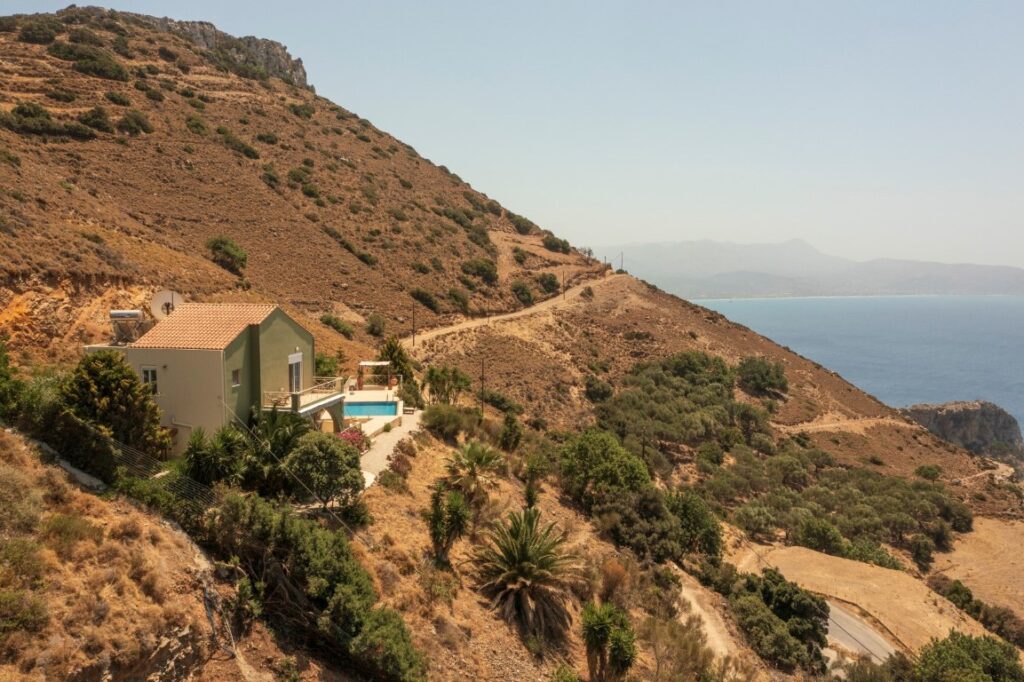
[(709, 269)]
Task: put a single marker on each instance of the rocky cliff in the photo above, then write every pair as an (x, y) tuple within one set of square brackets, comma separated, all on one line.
[(979, 426), (259, 56)]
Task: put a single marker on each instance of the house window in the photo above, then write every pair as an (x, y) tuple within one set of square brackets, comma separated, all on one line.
[(149, 379), (236, 378)]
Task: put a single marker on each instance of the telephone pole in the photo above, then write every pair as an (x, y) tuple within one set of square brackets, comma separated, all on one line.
[(414, 325)]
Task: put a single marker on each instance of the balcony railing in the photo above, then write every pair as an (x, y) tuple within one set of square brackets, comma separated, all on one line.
[(322, 387)]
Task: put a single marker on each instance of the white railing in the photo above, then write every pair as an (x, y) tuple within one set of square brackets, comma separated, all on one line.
[(293, 400)]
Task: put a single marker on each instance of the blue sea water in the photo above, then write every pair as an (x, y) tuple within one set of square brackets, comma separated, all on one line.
[(903, 349)]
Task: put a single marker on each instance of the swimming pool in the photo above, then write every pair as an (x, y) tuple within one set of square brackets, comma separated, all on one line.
[(370, 409)]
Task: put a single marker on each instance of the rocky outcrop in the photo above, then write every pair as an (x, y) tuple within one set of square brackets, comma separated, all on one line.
[(247, 56), (981, 427)]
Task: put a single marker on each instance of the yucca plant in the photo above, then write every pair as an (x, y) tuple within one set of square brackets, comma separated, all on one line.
[(528, 574), (472, 470)]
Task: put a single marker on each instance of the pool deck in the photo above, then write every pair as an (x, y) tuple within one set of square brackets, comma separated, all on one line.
[(371, 396), (375, 460)]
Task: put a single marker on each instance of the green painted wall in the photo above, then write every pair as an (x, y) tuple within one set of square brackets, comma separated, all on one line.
[(243, 354), (279, 337)]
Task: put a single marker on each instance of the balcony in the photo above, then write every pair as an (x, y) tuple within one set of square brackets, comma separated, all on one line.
[(325, 392)]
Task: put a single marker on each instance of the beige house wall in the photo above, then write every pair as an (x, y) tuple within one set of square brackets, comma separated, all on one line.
[(190, 387)]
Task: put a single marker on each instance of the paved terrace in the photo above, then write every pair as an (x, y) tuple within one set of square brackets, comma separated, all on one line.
[(375, 460)]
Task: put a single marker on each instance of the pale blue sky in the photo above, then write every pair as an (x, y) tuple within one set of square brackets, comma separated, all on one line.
[(867, 128)]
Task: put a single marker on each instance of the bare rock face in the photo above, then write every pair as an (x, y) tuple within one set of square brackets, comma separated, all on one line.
[(981, 427), (259, 56)]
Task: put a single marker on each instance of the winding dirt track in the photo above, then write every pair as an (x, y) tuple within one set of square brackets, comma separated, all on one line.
[(559, 301)]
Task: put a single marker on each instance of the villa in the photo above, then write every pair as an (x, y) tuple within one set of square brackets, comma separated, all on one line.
[(211, 364)]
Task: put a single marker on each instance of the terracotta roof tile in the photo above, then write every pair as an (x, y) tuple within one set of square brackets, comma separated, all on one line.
[(204, 326)]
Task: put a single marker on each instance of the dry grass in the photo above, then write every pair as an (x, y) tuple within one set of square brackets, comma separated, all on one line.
[(118, 586)]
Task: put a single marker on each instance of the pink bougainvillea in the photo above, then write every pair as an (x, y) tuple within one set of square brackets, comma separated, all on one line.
[(355, 437)]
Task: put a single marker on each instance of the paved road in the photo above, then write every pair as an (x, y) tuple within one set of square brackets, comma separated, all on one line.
[(850, 632)]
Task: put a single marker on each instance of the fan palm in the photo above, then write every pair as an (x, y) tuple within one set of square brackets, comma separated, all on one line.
[(528, 574), (472, 469)]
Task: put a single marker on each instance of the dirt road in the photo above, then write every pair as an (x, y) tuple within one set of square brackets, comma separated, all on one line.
[(570, 295), (832, 422)]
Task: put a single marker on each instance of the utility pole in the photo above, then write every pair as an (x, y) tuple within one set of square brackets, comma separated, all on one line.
[(480, 397), (621, 258), (414, 325)]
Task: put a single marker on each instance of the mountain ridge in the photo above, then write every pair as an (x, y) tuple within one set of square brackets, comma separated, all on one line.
[(710, 269)]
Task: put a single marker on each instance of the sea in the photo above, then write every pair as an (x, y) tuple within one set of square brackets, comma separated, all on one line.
[(903, 349)]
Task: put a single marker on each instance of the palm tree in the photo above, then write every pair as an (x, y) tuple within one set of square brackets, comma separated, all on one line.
[(272, 435), (472, 469), (526, 571)]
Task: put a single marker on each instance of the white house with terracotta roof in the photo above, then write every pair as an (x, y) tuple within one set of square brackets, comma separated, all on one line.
[(209, 364)]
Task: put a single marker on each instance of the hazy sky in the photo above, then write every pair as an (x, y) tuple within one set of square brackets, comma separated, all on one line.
[(868, 128)]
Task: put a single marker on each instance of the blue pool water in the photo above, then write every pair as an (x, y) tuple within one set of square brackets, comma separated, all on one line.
[(380, 409), (903, 349)]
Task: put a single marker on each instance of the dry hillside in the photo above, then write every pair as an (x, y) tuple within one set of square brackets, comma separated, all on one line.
[(334, 215), (338, 217)]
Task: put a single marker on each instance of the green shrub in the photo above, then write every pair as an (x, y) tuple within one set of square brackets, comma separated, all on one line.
[(267, 138), (784, 624), (594, 466), (227, 254), (21, 611), (499, 401), (375, 325), (460, 299), (597, 390), (384, 649), (929, 472), (85, 37), (155, 95), (134, 122), (445, 383), (118, 99), (523, 225), (30, 118), (486, 270), (759, 376), (963, 657), (447, 521), (448, 421), (90, 60), (511, 434), (104, 390), (548, 282), (553, 243), (167, 54), (234, 143), (41, 31), (609, 640), (328, 469), (320, 589), (521, 290), (519, 255), (61, 95), (337, 324), (195, 124), (98, 119), (304, 110), (427, 299)]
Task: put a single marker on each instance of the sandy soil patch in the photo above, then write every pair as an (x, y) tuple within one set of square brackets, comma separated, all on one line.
[(989, 561)]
